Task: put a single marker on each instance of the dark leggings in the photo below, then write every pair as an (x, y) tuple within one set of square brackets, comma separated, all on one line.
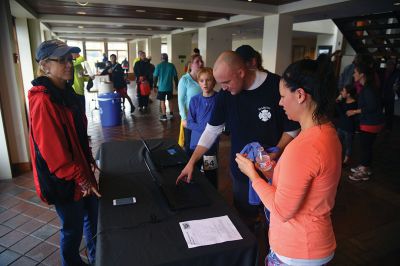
[(389, 112), (367, 142), (143, 101), (188, 134)]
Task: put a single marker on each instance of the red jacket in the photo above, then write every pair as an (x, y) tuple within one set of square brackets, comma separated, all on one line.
[(59, 131)]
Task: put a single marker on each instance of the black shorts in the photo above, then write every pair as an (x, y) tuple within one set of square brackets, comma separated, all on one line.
[(161, 95)]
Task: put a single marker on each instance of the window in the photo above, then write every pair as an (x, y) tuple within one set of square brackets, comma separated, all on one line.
[(75, 44), (164, 48), (94, 53), (120, 49)]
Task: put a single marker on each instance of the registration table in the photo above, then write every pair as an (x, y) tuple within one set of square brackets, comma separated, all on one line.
[(148, 232)]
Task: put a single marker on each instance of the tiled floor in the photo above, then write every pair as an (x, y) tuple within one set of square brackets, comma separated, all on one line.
[(366, 217)]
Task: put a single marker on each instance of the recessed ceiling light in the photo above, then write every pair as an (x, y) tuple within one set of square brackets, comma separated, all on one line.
[(250, 0), (140, 10), (179, 18), (81, 13), (80, 27), (82, 3)]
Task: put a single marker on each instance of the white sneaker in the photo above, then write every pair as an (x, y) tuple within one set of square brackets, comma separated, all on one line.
[(359, 176), (361, 169)]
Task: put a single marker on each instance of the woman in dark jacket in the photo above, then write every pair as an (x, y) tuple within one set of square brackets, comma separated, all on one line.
[(63, 166), (371, 119)]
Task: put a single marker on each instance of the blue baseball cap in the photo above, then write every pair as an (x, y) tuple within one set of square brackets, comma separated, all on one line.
[(54, 48)]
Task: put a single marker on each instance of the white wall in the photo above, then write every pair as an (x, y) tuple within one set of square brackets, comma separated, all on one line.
[(218, 41), (324, 39), (155, 49), (255, 43), (202, 43), (5, 167), (14, 129), (181, 45), (325, 26), (132, 54), (335, 40), (24, 55), (277, 42), (35, 39), (142, 46)]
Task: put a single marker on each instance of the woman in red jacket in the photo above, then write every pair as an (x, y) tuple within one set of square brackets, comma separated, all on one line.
[(63, 166), (305, 179)]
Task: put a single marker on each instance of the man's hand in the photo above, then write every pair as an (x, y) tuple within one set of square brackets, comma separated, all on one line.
[(186, 174), (274, 156), (94, 166), (90, 191)]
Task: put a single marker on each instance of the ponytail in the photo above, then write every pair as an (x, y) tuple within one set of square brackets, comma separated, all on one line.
[(317, 79)]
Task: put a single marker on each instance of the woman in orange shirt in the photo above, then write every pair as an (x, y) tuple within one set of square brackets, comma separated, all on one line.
[(305, 180)]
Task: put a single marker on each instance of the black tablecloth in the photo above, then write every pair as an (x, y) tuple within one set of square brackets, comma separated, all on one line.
[(147, 232)]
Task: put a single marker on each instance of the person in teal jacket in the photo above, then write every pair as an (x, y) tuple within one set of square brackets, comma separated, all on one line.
[(187, 88), (164, 76)]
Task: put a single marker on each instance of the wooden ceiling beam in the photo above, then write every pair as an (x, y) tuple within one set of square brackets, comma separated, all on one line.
[(117, 21), (106, 30)]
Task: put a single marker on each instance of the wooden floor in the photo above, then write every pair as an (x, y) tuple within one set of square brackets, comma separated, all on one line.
[(366, 217)]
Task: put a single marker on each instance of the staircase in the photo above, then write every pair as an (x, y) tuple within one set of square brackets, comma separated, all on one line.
[(377, 34)]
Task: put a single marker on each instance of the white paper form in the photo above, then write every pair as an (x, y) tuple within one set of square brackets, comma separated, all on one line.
[(209, 231)]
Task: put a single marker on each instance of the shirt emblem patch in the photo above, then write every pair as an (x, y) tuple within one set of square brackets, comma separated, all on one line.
[(264, 114)]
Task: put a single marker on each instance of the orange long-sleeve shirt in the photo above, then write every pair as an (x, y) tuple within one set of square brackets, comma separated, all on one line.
[(303, 194)]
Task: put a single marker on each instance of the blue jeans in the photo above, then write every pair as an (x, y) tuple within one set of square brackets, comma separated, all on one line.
[(346, 138), (76, 217), (272, 260)]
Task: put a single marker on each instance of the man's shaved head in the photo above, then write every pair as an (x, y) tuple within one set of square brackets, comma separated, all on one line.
[(229, 72), (231, 59)]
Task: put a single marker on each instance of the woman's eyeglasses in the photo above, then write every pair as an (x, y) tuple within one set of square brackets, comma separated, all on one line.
[(62, 60)]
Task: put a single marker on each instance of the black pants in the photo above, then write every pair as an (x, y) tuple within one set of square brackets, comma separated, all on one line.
[(211, 175), (367, 142), (82, 102), (249, 214), (188, 133), (143, 101), (389, 112)]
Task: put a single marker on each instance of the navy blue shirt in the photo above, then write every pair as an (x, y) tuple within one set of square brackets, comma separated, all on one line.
[(346, 123), (252, 115)]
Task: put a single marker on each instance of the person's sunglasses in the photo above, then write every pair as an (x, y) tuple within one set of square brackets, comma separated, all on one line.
[(62, 60)]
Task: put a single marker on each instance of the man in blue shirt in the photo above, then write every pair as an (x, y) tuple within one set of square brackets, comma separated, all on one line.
[(249, 106), (164, 75)]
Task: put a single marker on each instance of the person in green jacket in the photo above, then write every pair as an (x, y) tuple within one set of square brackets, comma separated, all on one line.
[(79, 78)]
